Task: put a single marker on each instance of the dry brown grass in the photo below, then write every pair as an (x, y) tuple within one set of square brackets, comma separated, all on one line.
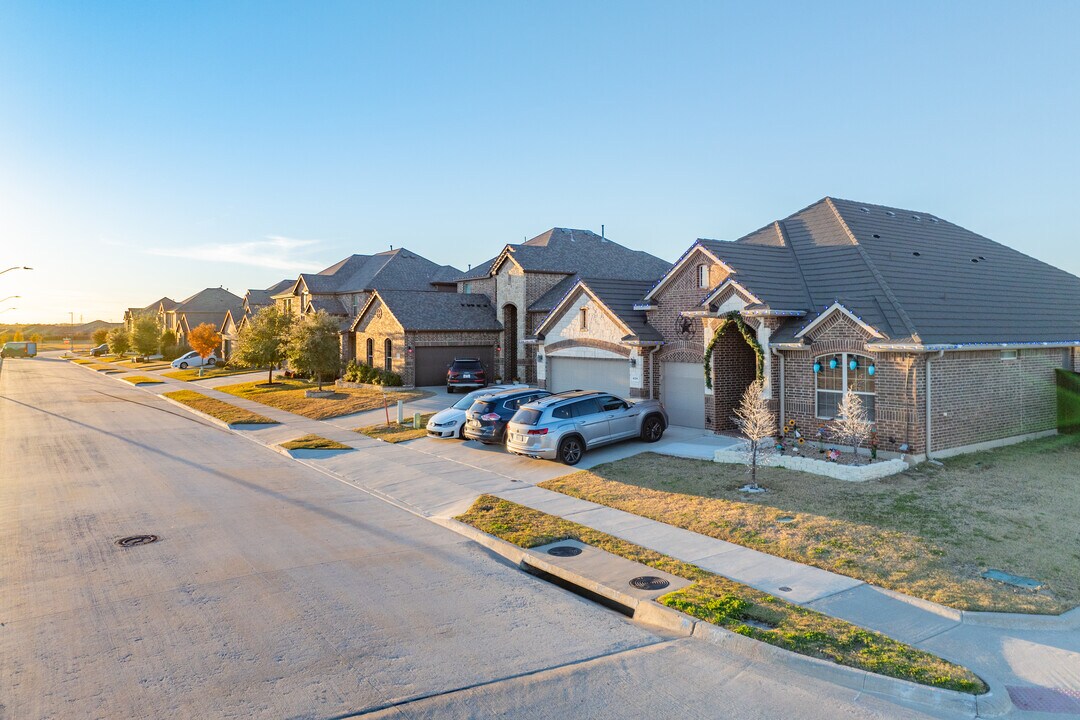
[(142, 380), (929, 532), (288, 395), (148, 365), (223, 411), (735, 606), (394, 433), (192, 374), (314, 442)]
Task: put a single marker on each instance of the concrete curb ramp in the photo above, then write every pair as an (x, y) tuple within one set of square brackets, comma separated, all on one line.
[(649, 612)]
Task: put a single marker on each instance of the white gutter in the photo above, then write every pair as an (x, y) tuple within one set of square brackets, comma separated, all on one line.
[(929, 413), (969, 347)]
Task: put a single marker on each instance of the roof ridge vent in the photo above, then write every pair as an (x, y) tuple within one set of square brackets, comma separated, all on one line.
[(890, 213)]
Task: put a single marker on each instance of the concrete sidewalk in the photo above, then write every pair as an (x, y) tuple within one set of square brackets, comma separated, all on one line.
[(1036, 660)]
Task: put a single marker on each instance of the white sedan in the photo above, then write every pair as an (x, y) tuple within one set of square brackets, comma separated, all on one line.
[(450, 422), (192, 359)]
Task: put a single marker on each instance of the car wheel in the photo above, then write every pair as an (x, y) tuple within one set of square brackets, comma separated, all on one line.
[(652, 430), (183, 366), (211, 362), (461, 432), (449, 390), (570, 451)]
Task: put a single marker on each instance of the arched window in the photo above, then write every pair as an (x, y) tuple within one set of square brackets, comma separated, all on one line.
[(371, 352), (388, 356), (703, 276), (830, 382)]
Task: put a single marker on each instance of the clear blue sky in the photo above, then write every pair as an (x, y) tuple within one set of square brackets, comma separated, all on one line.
[(154, 149)]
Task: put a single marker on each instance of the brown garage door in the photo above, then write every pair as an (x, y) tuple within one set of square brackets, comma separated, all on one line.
[(432, 362)]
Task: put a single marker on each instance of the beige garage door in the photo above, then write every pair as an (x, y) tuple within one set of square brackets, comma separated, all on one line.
[(682, 390), (611, 376)]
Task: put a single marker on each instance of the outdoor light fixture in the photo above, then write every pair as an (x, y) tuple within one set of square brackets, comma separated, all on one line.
[(539, 358), (409, 348), (498, 348), (633, 362), (817, 367)]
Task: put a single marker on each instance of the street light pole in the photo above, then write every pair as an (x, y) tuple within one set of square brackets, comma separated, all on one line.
[(9, 297), (71, 339), (16, 267)]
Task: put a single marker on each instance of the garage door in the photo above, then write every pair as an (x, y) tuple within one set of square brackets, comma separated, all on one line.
[(682, 390), (611, 376), (432, 362)]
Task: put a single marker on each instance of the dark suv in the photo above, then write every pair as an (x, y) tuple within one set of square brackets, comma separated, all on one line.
[(466, 373), (486, 419)]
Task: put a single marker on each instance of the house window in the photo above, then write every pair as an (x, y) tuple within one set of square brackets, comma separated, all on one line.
[(371, 352), (830, 383), (388, 356), (1008, 354), (584, 315), (466, 288), (703, 276)]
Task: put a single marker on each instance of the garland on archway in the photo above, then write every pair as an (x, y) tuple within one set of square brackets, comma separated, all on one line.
[(735, 318)]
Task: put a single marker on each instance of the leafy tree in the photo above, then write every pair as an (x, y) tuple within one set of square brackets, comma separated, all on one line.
[(263, 339), (118, 340), (5, 337), (145, 333), (19, 337), (100, 336), (314, 346), (851, 426), (204, 339), (757, 422), (36, 338), (167, 346)]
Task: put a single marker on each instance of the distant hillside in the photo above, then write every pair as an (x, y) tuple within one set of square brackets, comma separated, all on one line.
[(55, 331)]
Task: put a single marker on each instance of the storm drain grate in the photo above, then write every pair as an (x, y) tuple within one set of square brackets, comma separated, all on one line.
[(136, 540), (649, 582), (564, 551)]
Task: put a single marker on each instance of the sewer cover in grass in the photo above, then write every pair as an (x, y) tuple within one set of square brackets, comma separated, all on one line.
[(1014, 580), (785, 519), (751, 489)]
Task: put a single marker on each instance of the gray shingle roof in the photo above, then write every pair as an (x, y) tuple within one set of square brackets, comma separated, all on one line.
[(441, 311), (210, 300), (909, 274), (399, 269), (581, 252), (619, 296)]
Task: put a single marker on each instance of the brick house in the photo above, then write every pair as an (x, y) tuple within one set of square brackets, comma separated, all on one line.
[(208, 305), (525, 281), (903, 307), (418, 334), (254, 300), (342, 289), (595, 338), (154, 309)]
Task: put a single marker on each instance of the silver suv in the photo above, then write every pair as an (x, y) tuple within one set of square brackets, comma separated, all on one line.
[(562, 427)]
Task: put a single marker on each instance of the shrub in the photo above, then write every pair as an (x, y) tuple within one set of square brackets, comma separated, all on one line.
[(100, 336)]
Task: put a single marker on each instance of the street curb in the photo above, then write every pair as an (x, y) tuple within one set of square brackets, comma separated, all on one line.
[(652, 613)]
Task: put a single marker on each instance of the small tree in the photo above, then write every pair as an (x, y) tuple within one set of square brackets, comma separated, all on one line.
[(757, 422), (36, 338), (167, 345), (118, 340), (100, 336), (204, 339), (314, 346), (4, 337), (144, 336), (851, 426), (19, 337), (262, 340)]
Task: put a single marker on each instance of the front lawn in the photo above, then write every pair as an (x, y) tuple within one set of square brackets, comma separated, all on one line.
[(223, 411), (734, 606), (144, 365), (192, 374), (928, 532), (314, 442), (142, 380), (394, 433), (286, 394)]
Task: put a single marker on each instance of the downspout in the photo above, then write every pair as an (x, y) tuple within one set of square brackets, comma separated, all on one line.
[(780, 355), (652, 371), (929, 413)]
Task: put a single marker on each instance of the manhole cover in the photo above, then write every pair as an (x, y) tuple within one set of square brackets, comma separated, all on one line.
[(784, 588), (133, 540), (649, 582), (564, 551)]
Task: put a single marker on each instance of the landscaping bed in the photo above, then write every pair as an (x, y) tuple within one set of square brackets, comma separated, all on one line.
[(314, 442), (394, 433), (734, 606), (142, 380), (929, 532), (229, 414), (288, 394)]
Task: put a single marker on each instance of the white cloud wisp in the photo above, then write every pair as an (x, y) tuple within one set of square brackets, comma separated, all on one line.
[(274, 252)]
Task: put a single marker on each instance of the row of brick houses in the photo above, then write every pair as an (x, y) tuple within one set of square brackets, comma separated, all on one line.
[(950, 339)]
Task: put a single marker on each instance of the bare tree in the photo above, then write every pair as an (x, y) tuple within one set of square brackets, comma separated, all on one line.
[(757, 422), (851, 426)]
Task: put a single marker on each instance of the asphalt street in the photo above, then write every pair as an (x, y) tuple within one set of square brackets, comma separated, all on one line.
[(276, 591)]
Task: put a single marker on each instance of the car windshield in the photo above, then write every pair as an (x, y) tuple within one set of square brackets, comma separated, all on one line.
[(526, 416), (467, 365), (464, 403)]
